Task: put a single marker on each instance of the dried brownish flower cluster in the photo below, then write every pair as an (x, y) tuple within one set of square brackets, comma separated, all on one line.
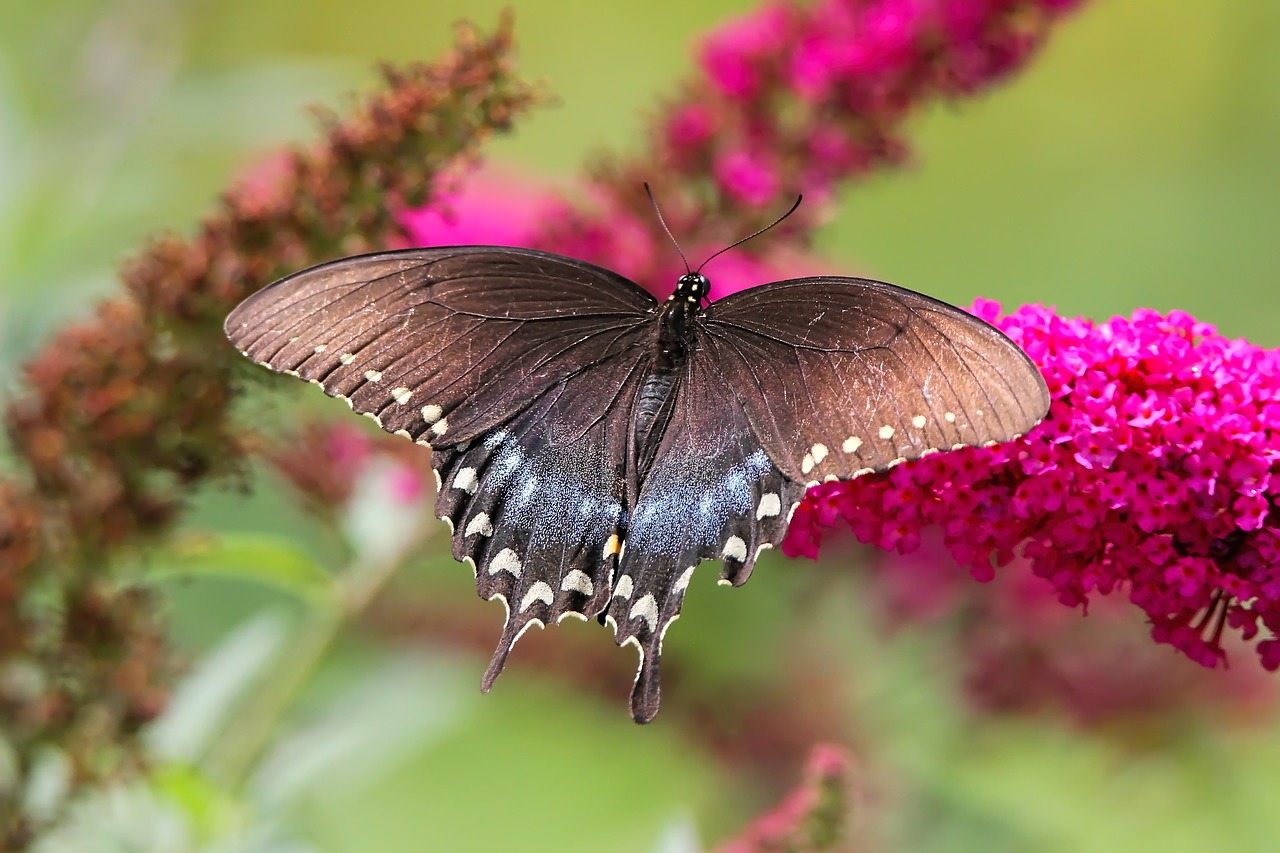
[(124, 414)]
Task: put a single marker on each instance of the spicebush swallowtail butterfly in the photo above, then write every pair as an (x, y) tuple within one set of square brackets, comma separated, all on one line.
[(592, 445)]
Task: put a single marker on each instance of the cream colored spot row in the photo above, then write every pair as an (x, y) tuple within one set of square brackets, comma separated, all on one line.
[(851, 444), (647, 609), (480, 524), (735, 549), (467, 481), (919, 421), (770, 505), (540, 591), (401, 395), (886, 432), (577, 581), (373, 375), (506, 561), (624, 588), (346, 358)]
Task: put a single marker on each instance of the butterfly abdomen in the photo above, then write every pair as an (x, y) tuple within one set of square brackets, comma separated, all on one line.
[(672, 346)]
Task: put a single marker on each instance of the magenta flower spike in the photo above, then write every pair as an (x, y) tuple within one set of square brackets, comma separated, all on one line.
[(1155, 475)]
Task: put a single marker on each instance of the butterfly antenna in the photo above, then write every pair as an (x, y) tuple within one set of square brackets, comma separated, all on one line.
[(799, 199), (663, 222)]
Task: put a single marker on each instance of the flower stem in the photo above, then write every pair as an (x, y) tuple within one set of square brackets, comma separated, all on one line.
[(357, 586)]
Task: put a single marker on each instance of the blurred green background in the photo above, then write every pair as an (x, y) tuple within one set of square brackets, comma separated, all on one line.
[(1136, 163)]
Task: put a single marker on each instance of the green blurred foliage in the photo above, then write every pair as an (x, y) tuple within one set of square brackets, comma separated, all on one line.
[(1133, 165)]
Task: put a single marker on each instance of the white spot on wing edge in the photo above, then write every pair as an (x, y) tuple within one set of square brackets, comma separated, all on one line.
[(682, 582), (319, 348), (919, 421), (479, 524), (662, 635), (577, 581), (522, 631), (851, 444), (647, 609), (770, 505), (819, 452), (431, 413), (624, 587), (886, 432), (466, 480), (540, 591), (373, 416), (807, 464), (403, 433), (505, 606), (401, 395), (346, 358), (441, 426), (735, 548), (506, 561), (373, 375)]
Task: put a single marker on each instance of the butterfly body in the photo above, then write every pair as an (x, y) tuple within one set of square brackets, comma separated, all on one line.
[(594, 445)]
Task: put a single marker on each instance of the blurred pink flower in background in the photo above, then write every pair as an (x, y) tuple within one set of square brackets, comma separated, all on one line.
[(489, 207), (500, 208), (1018, 651)]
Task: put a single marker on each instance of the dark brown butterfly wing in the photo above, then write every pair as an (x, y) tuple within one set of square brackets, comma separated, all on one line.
[(441, 345), (518, 366), (843, 376)]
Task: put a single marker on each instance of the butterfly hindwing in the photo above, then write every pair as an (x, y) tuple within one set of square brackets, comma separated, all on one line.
[(840, 376), (711, 493), (537, 505)]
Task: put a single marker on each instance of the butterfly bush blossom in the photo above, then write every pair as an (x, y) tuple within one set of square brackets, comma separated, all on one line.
[(1155, 475)]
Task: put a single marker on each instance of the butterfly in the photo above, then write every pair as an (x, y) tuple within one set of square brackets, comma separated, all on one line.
[(593, 445)]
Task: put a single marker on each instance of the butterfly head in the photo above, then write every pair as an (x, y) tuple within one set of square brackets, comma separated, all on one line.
[(692, 286)]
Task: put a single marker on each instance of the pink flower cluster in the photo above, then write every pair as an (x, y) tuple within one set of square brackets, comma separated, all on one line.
[(849, 69), (793, 98), (1156, 473), (500, 209)]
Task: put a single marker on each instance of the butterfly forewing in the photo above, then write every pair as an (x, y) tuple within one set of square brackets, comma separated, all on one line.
[(840, 376), (441, 344)]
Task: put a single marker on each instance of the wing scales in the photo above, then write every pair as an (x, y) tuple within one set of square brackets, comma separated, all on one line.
[(712, 493), (841, 377), (398, 334)]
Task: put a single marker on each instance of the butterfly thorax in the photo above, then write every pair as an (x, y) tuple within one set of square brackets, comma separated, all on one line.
[(674, 342)]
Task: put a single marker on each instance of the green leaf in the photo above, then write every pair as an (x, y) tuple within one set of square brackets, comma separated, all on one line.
[(270, 560), (204, 702)]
